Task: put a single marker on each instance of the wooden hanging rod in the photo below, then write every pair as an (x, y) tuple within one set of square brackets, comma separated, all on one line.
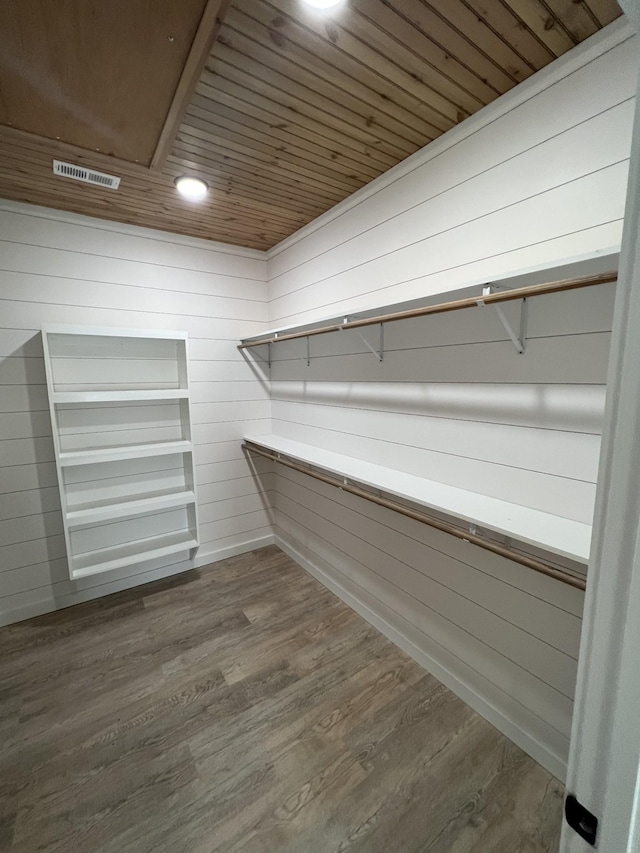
[(530, 562), (442, 307)]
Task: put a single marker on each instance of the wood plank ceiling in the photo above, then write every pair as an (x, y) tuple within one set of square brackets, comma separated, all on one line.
[(292, 112)]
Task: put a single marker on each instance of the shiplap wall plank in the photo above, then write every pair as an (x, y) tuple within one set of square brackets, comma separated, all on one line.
[(401, 273), (57, 268), (540, 185), (562, 407), (98, 238)]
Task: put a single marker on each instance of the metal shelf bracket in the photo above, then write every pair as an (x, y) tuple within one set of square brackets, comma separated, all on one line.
[(379, 352), (261, 358), (307, 356), (518, 340)]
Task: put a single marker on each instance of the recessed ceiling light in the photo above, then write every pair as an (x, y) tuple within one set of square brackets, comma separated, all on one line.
[(192, 188), (322, 4)]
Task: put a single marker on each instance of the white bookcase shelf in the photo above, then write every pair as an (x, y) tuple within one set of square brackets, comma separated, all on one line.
[(121, 420), (119, 396), (118, 556), (113, 454), (124, 509)]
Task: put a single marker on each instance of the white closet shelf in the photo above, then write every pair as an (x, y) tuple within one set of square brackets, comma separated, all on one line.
[(553, 534), (123, 509), (119, 396), (117, 556), (379, 317), (116, 454)]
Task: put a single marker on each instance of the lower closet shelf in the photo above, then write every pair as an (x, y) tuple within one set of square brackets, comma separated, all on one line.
[(558, 536), (115, 557)]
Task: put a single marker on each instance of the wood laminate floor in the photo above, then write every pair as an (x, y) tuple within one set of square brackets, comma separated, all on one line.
[(243, 707)]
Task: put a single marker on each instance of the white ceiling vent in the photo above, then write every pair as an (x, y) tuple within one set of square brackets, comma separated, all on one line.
[(88, 176)]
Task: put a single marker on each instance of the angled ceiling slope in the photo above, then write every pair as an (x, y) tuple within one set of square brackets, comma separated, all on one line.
[(283, 111)]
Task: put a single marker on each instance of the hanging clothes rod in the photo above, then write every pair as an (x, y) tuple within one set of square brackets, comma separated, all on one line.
[(441, 308), (530, 562)]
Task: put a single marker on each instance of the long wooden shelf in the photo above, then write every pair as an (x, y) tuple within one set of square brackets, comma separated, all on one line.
[(440, 308), (553, 534)]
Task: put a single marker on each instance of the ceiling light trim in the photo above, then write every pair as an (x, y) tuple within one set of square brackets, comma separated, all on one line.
[(191, 188)]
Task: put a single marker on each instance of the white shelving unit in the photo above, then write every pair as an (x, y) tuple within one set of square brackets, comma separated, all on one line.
[(121, 420)]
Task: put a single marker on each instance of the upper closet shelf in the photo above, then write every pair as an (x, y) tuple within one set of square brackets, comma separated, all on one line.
[(551, 533), (488, 297)]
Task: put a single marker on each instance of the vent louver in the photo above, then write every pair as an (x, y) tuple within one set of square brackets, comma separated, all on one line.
[(87, 176)]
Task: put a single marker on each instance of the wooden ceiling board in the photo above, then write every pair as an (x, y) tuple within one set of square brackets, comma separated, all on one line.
[(279, 37), (148, 200), (544, 24), (273, 114), (291, 111), (507, 26), (253, 183), (435, 45), (295, 160), (272, 139), (74, 70), (298, 112), (368, 90), (307, 147), (576, 17), (302, 88)]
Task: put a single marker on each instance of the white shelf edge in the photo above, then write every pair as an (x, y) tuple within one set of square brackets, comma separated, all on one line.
[(117, 454), (564, 537), (118, 396), (107, 564), (78, 517), (112, 332)]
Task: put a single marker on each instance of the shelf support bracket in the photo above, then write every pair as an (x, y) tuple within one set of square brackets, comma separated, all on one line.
[(307, 356), (261, 358), (518, 340), (379, 353)]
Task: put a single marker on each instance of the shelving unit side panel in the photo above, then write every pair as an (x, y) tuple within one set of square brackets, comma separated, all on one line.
[(56, 442)]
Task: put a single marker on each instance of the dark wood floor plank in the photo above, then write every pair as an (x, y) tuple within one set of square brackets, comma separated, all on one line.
[(242, 708)]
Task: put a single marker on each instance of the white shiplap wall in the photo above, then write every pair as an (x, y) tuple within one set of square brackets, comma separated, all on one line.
[(532, 182), (535, 178), (59, 268)]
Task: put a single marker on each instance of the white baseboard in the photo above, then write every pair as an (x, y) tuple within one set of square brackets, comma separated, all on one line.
[(51, 601), (493, 706), (207, 557)]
